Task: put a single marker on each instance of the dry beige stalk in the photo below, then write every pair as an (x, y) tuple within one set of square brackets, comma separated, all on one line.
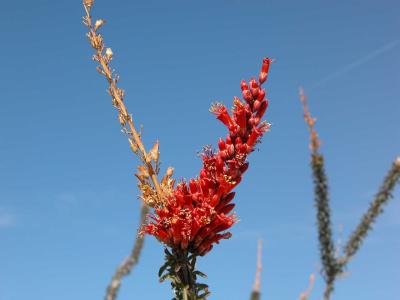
[(257, 281), (153, 194), (255, 293), (307, 293), (314, 143)]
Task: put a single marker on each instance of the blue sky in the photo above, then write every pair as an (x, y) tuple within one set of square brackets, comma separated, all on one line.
[(68, 207)]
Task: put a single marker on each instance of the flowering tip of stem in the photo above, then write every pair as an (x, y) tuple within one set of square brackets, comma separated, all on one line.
[(88, 3), (196, 214)]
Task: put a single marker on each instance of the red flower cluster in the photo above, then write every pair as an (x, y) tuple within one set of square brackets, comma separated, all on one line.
[(199, 212)]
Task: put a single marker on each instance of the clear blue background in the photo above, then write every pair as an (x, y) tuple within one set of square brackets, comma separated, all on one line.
[(68, 207)]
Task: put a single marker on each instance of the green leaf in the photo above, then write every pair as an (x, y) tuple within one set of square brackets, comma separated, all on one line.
[(193, 262), (204, 296), (163, 268), (201, 286), (167, 276), (201, 274)]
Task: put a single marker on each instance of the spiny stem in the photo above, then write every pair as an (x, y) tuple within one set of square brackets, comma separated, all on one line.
[(323, 218), (375, 209), (328, 290), (321, 197), (180, 268), (333, 266), (127, 265)]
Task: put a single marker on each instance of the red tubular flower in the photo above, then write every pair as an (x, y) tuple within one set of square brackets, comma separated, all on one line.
[(198, 213), (264, 70)]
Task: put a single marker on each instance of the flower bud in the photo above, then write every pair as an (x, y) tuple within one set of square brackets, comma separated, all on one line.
[(231, 150), (254, 84), (261, 95), (227, 208), (256, 105), (264, 70), (238, 140), (244, 167), (251, 121), (254, 87), (262, 109), (193, 186), (221, 144), (223, 155), (243, 85), (247, 95)]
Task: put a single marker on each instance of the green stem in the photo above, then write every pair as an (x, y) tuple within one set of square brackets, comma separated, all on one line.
[(180, 269)]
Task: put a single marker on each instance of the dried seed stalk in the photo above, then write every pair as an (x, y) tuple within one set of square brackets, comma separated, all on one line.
[(255, 294), (152, 192)]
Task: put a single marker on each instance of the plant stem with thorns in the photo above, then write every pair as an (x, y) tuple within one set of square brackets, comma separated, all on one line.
[(375, 209), (327, 252), (334, 266), (127, 265)]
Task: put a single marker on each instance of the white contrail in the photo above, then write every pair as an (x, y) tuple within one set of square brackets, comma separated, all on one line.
[(356, 63)]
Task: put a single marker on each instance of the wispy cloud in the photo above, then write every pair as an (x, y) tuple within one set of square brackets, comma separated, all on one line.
[(7, 219), (356, 63)]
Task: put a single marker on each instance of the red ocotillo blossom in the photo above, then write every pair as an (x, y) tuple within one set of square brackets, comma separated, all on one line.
[(199, 212)]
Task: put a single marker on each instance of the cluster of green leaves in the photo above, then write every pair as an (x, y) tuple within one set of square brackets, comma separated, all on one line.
[(180, 269)]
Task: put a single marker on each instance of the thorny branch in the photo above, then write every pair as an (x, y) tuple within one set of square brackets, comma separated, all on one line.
[(334, 266), (374, 210), (127, 265), (327, 252)]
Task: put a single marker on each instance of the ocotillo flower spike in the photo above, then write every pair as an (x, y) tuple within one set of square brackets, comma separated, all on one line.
[(197, 213)]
